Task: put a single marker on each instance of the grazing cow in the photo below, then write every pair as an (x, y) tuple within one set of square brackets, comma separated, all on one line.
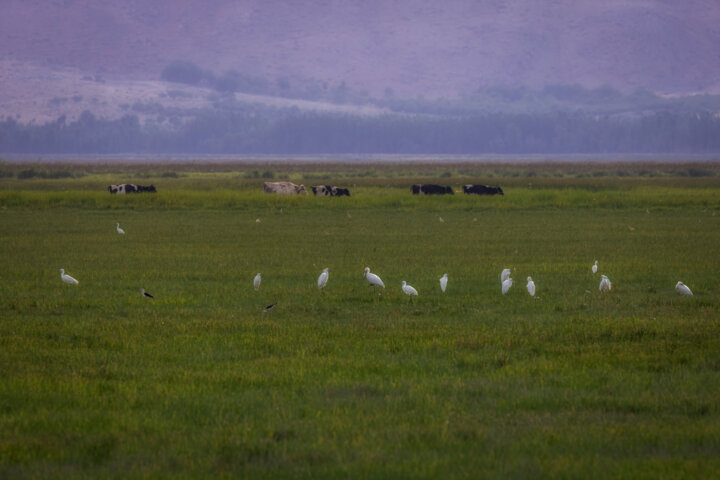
[(124, 188), (430, 189), (148, 189), (330, 191), (284, 188), (482, 190)]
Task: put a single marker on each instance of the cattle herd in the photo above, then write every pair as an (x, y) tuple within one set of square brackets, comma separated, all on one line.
[(124, 188), (289, 188), (330, 191)]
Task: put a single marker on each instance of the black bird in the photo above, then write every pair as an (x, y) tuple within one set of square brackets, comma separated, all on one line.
[(145, 294), (268, 308)]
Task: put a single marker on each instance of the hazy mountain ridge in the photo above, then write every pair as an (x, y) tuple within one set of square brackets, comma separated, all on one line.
[(373, 77), (412, 47)]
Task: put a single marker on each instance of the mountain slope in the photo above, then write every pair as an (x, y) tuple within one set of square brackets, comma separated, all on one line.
[(413, 47)]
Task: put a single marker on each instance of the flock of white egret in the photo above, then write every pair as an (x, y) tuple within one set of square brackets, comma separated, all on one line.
[(375, 281)]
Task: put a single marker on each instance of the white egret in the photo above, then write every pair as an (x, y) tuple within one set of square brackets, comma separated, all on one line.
[(443, 282), (145, 294), (683, 289), (323, 278), (67, 278), (594, 267), (504, 275), (531, 286), (373, 279), (256, 282), (506, 284), (268, 308), (605, 284), (119, 230), (408, 289)]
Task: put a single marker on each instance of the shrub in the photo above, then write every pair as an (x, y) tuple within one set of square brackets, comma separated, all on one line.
[(699, 172), (182, 72), (228, 82), (65, 173), (33, 172), (28, 173), (258, 174)]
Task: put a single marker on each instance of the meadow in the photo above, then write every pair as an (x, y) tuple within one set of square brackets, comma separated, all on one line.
[(98, 382)]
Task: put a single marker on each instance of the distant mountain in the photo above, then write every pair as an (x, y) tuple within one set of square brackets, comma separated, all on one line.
[(401, 47)]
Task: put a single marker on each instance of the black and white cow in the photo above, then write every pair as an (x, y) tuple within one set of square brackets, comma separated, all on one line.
[(431, 189), (482, 190), (124, 188), (330, 191)]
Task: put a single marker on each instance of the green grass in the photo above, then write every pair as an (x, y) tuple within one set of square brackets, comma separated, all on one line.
[(98, 382)]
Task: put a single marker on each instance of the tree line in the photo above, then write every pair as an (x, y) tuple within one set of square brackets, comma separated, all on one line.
[(293, 132)]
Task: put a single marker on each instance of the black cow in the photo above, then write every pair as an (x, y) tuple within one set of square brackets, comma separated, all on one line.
[(330, 191), (482, 190), (124, 188), (430, 189)]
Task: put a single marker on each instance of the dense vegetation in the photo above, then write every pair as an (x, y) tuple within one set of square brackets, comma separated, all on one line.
[(99, 382), (248, 131)]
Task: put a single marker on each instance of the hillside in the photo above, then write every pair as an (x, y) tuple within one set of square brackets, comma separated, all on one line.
[(412, 47), (410, 76), (34, 94)]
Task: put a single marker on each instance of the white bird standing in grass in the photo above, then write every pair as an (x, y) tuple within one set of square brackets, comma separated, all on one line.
[(605, 284), (683, 289), (373, 279), (506, 284), (323, 278), (443, 282), (594, 267), (256, 282), (408, 289), (67, 278), (146, 294), (531, 286), (119, 230), (504, 275)]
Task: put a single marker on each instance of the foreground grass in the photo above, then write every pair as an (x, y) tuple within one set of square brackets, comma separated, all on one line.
[(98, 382)]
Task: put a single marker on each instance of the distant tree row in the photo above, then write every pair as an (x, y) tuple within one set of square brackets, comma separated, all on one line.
[(292, 132)]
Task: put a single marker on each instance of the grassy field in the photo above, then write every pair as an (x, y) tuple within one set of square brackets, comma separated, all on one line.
[(98, 382)]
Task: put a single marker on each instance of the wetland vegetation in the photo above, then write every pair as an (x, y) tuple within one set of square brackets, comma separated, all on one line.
[(101, 382)]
